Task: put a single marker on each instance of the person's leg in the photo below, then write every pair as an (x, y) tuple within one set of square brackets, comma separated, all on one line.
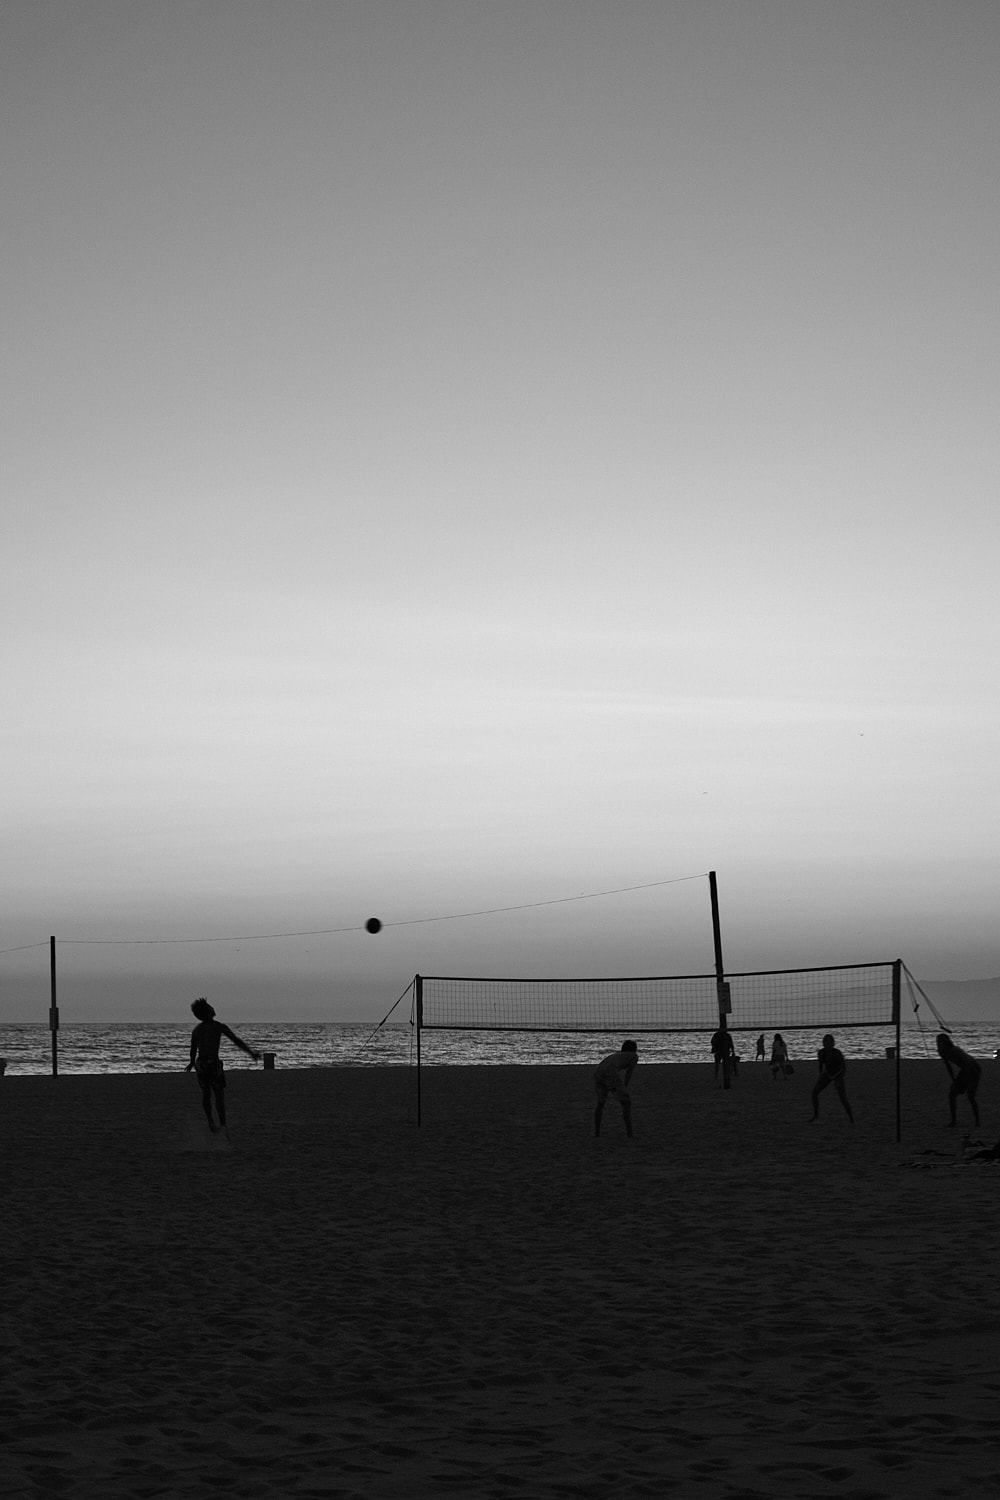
[(206, 1104), (220, 1100), (973, 1086), (953, 1094), (627, 1112), (842, 1096), (820, 1086), (602, 1095)]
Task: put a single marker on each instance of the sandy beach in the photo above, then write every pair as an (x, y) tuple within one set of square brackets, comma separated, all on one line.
[(734, 1303)]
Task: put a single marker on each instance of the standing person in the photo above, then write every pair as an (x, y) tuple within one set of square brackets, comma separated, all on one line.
[(612, 1076), (207, 1063), (760, 1049), (832, 1068), (722, 1048), (779, 1057), (964, 1079)]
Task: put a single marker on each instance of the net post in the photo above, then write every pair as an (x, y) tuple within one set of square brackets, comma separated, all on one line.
[(721, 987), (897, 1015), (53, 1007), (418, 1005)]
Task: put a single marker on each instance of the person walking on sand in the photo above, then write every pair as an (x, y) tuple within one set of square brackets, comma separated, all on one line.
[(759, 1056), (779, 1057), (832, 1068), (612, 1076), (205, 1059), (965, 1077)]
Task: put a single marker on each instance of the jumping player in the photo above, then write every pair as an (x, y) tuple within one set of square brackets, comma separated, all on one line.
[(612, 1076), (965, 1078), (832, 1067), (207, 1063)]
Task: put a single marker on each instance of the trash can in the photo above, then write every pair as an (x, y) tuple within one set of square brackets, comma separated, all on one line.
[(268, 1059)]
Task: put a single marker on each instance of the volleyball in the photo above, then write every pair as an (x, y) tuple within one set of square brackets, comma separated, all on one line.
[(373, 925)]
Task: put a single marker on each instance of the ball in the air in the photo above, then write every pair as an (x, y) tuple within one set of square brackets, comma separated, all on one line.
[(373, 925)]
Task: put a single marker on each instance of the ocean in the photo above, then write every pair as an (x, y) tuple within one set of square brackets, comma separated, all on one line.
[(151, 1047)]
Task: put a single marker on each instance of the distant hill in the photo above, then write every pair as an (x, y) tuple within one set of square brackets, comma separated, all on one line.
[(975, 1000)]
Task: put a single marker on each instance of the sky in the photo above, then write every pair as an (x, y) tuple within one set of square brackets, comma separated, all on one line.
[(462, 456)]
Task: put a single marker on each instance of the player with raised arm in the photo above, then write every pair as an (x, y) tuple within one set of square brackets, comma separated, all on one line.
[(205, 1059), (612, 1076)]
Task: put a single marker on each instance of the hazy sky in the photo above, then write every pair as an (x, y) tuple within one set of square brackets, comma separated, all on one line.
[(465, 454)]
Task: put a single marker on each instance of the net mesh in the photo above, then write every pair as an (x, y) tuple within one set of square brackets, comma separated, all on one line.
[(850, 995)]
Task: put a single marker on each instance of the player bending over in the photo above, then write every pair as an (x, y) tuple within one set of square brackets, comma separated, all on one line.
[(965, 1077), (207, 1063), (613, 1076), (832, 1068)]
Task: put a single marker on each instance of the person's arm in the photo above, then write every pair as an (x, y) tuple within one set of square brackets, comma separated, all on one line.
[(194, 1050), (629, 1071), (241, 1044)]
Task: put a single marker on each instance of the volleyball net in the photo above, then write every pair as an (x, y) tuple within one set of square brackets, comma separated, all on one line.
[(842, 996)]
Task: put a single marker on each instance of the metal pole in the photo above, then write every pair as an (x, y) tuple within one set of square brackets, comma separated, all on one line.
[(418, 986), (53, 1008), (721, 987), (897, 1010)]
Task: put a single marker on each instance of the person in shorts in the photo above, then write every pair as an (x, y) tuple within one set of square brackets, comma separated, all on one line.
[(612, 1077), (724, 1048), (205, 1060), (832, 1069), (964, 1072)]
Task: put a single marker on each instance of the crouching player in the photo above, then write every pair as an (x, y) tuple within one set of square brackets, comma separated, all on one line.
[(832, 1069), (613, 1076)]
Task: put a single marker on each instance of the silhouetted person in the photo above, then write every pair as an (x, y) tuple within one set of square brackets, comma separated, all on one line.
[(207, 1063), (612, 1076), (832, 1068), (779, 1057), (759, 1055), (964, 1073), (723, 1048)]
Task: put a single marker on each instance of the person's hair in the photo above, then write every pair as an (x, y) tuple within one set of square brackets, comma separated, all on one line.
[(828, 1040), (629, 1047), (202, 1009), (943, 1042)]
